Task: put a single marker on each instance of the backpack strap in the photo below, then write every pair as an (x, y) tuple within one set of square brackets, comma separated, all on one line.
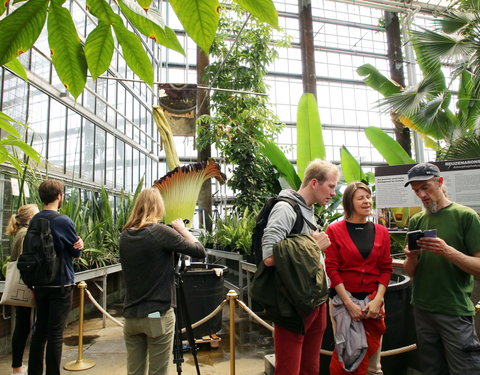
[(49, 217), (298, 226)]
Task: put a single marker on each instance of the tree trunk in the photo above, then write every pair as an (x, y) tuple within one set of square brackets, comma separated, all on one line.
[(395, 58), (307, 47), (205, 196)]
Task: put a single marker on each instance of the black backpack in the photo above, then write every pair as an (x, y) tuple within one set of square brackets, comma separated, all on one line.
[(261, 223), (39, 262)]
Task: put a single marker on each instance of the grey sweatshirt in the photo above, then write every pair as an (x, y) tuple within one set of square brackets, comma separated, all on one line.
[(282, 219)]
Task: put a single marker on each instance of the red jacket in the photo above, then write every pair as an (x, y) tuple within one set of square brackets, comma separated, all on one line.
[(344, 263)]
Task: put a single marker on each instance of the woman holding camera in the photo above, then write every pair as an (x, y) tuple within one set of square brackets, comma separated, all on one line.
[(147, 255), (359, 266)]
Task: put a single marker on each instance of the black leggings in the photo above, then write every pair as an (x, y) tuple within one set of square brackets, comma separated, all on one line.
[(20, 334)]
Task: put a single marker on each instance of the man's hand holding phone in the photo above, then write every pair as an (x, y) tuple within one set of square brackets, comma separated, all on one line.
[(414, 237)]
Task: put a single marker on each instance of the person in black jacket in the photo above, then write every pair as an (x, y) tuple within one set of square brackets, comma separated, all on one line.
[(147, 250)]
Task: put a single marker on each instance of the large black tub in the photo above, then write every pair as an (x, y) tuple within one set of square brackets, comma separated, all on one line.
[(400, 328), (204, 291)]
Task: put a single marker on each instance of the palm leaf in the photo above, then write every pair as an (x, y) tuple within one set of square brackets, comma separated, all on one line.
[(21, 29), (466, 147), (309, 133), (66, 49), (440, 46), (454, 21)]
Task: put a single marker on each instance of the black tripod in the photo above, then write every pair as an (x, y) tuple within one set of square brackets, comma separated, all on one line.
[(182, 316)]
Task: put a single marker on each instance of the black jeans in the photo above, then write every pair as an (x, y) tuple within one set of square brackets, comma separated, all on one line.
[(20, 334), (53, 305)]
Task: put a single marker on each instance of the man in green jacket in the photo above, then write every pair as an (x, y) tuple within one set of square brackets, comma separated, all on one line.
[(299, 353)]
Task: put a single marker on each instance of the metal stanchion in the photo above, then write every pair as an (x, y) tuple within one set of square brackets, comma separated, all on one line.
[(232, 296), (80, 363)]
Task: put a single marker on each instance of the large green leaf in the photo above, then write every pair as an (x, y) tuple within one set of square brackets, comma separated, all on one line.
[(3, 8), (351, 169), (5, 117), (378, 81), (17, 67), (145, 4), (281, 163), (150, 24), (264, 10), (99, 48), (27, 149), (133, 52), (4, 125), (21, 29), (66, 49), (389, 148), (309, 133), (199, 19), (102, 10)]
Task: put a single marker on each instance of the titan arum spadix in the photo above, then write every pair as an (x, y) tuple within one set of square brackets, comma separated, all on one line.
[(181, 186)]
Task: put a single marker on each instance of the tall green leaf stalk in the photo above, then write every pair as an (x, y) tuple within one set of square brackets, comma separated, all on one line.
[(241, 122), (72, 57)]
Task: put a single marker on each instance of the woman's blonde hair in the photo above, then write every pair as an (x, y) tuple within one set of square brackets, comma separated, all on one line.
[(148, 209), (21, 218)]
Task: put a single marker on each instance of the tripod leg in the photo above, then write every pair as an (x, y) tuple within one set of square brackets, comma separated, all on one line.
[(177, 342), (182, 305)]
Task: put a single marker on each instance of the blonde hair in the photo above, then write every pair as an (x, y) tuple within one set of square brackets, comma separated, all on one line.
[(148, 209), (319, 169), (21, 218)]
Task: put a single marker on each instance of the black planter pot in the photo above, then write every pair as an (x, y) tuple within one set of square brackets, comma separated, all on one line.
[(204, 291)]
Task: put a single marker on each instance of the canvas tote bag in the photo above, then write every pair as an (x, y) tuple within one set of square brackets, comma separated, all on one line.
[(16, 293)]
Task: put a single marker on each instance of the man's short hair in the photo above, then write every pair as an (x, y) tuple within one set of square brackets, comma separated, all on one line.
[(49, 190), (319, 169), (422, 172)]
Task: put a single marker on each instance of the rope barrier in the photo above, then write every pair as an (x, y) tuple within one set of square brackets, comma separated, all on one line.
[(255, 316), (259, 320), (97, 305), (208, 317)]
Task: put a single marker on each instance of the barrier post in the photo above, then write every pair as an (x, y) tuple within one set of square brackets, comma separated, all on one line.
[(80, 363), (232, 296)]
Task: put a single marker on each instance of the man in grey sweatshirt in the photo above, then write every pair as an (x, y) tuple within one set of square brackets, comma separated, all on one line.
[(300, 353)]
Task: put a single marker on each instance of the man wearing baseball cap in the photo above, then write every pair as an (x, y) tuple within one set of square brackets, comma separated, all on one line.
[(442, 277)]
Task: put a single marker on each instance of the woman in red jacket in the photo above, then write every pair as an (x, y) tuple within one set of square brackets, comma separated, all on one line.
[(359, 265)]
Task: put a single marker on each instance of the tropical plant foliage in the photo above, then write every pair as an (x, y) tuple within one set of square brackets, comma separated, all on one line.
[(73, 57), (427, 106), (12, 147), (232, 233), (241, 122)]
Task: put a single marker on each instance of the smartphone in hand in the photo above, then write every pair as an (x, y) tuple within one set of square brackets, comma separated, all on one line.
[(414, 236)]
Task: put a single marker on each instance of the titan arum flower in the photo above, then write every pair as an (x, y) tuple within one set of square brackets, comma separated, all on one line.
[(181, 186)]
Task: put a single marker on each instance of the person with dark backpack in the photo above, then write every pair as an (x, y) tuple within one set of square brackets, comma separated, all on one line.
[(50, 245), (297, 346)]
